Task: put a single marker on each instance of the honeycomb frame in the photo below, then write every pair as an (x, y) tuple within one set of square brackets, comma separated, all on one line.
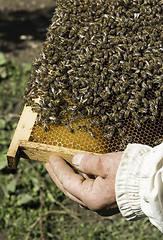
[(25, 145), (21, 146)]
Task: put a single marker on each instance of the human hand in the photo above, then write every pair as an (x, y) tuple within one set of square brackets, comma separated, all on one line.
[(94, 188)]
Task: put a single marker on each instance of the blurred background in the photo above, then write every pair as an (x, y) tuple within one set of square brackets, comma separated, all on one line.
[(31, 207)]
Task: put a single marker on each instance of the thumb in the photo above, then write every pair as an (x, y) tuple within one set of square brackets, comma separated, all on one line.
[(90, 164)]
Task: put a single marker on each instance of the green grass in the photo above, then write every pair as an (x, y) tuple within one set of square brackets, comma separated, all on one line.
[(31, 206)]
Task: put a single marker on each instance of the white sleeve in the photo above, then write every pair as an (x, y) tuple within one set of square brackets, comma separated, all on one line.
[(139, 183)]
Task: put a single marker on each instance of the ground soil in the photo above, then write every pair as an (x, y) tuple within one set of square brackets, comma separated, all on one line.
[(23, 27)]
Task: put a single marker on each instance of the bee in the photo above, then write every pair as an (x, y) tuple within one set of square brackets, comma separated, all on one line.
[(152, 105), (110, 84), (155, 113), (137, 123), (92, 134), (63, 122), (149, 84), (108, 136), (39, 117), (121, 114), (45, 126), (53, 118), (84, 128), (143, 74), (129, 139), (110, 129), (97, 100), (116, 118), (142, 110), (119, 105), (121, 133), (124, 141), (104, 119), (145, 86), (90, 122), (158, 141), (145, 103), (70, 129), (121, 146), (124, 98), (72, 108), (116, 88), (96, 111), (105, 71), (127, 113), (76, 2), (158, 93), (89, 111), (96, 121), (79, 128), (80, 115), (144, 119)]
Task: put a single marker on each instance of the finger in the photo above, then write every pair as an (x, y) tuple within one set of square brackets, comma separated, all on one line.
[(90, 164), (60, 186), (99, 165), (70, 180), (84, 207), (88, 176)]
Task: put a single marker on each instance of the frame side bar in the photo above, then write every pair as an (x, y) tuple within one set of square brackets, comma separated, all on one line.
[(22, 132)]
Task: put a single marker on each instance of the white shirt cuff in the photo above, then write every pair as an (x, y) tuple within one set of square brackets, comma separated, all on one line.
[(127, 185), (139, 183)]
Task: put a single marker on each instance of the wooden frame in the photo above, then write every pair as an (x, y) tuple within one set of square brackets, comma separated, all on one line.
[(21, 146)]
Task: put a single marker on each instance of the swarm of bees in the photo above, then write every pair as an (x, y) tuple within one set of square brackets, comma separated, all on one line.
[(101, 62)]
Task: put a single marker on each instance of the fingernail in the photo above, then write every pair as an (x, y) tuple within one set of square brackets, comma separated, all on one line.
[(77, 159)]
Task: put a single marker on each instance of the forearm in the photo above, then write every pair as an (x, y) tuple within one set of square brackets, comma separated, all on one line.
[(139, 183)]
